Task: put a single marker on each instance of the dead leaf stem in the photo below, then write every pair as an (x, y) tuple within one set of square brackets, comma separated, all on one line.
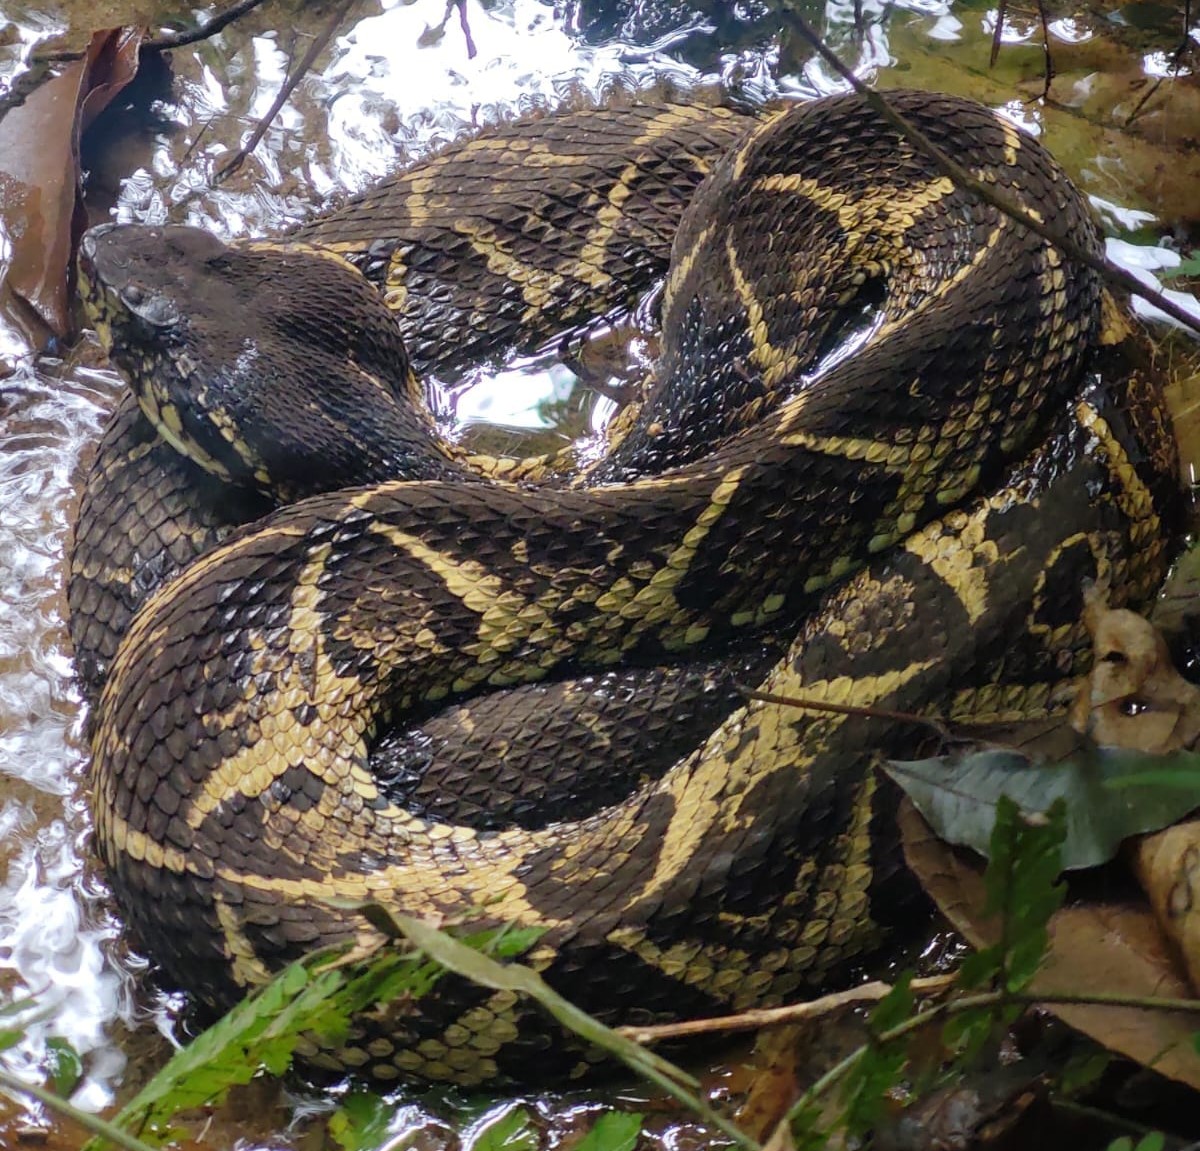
[(770, 1017), (806, 704)]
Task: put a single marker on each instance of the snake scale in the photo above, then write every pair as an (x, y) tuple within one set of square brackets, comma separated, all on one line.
[(907, 528)]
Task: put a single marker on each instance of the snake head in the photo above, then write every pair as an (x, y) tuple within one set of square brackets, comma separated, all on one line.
[(272, 365)]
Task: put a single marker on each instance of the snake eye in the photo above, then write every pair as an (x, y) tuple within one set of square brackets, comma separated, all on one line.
[(154, 310), (1132, 707)]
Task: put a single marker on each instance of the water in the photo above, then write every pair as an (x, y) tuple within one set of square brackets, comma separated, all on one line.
[(389, 88)]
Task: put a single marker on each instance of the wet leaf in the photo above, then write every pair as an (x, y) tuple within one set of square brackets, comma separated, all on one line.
[(65, 1066), (512, 1131), (613, 1131), (1115, 947), (1185, 268), (1110, 795), (1134, 697), (361, 1122), (42, 214)]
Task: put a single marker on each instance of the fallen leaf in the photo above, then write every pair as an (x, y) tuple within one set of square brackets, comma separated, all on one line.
[(774, 1084), (40, 189), (958, 793), (1115, 948), (1134, 698), (1168, 867)]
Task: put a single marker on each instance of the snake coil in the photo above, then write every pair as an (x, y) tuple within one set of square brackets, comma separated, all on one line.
[(909, 525)]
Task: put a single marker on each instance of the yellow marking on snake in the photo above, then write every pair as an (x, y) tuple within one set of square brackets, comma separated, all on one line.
[(865, 221), (776, 364), (712, 784), (1134, 497), (245, 966), (654, 602), (1012, 139), (506, 618), (965, 570), (311, 681)]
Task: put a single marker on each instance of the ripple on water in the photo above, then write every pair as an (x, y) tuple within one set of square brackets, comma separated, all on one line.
[(54, 933)]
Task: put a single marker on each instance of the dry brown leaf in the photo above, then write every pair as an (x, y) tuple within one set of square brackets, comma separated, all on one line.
[(40, 180), (1168, 867), (775, 1085), (1114, 948), (1133, 698)]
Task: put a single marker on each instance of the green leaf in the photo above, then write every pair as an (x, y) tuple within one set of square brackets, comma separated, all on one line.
[(1109, 795), (361, 1122), (482, 969), (512, 1131), (613, 1131), (10, 1038), (895, 1007), (64, 1065), (868, 1084), (1083, 1071), (308, 998), (1190, 266)]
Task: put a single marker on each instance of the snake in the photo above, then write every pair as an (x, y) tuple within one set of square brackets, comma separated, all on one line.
[(889, 436)]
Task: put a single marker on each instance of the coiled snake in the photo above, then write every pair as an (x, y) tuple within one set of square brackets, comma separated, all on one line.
[(910, 524)]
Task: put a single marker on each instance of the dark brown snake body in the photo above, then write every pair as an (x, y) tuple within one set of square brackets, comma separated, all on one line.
[(912, 523)]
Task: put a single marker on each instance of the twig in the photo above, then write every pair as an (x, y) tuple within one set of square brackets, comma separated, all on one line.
[(203, 31), (171, 39), (939, 726), (998, 33), (764, 1018), (1048, 60), (768, 1017), (281, 97), (1185, 45), (466, 27), (989, 195)]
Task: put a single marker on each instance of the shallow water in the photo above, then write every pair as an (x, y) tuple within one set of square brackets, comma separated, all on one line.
[(388, 89)]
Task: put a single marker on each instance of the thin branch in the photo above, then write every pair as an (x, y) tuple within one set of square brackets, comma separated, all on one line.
[(260, 130), (171, 39), (1185, 45), (465, 25), (931, 721), (768, 1017), (205, 30), (1048, 60), (989, 195), (998, 33)]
